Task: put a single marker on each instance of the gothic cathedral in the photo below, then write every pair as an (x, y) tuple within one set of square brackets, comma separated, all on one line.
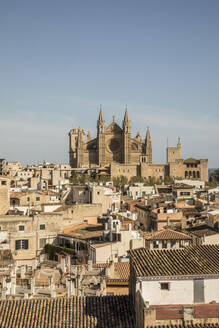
[(115, 151), (113, 144)]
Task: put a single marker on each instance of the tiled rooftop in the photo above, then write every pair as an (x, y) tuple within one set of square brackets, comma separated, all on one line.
[(101, 244), (123, 270), (75, 312), (167, 234), (193, 260)]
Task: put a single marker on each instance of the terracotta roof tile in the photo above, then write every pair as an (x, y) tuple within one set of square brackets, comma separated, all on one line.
[(192, 260), (74, 312), (123, 270), (166, 234)]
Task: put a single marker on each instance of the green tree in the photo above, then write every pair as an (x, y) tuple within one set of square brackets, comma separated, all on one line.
[(120, 182), (136, 179), (214, 179)]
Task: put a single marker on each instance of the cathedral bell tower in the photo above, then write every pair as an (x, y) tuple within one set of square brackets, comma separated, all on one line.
[(101, 139), (126, 138)]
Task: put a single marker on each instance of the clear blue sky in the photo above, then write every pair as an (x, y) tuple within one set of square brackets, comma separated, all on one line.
[(59, 60)]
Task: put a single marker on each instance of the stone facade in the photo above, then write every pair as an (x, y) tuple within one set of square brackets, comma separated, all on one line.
[(112, 144), (4, 195), (27, 235), (115, 149)]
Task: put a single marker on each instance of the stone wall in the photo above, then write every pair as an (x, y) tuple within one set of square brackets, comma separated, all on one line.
[(42, 226), (4, 195)]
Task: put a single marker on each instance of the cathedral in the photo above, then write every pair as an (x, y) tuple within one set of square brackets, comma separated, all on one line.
[(115, 151), (112, 144)]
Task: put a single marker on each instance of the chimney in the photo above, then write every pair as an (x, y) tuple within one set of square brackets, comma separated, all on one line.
[(63, 265), (32, 285), (183, 222), (102, 285), (52, 287), (23, 271), (111, 269), (70, 287), (13, 286), (111, 235), (89, 265), (107, 272), (4, 294), (4, 283), (188, 313), (26, 295), (53, 291), (14, 271), (69, 262), (34, 264), (117, 228)]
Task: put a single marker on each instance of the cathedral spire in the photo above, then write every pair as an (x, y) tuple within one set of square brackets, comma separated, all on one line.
[(148, 146), (126, 117), (100, 119), (126, 121), (148, 137), (100, 122)]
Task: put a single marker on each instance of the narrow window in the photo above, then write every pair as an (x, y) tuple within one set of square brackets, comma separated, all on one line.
[(164, 244), (155, 244), (42, 227)]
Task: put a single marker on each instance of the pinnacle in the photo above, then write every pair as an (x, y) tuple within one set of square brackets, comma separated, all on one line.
[(100, 119)]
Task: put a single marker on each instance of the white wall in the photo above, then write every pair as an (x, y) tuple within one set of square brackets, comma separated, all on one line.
[(211, 287), (137, 191), (211, 240), (195, 183), (180, 292)]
